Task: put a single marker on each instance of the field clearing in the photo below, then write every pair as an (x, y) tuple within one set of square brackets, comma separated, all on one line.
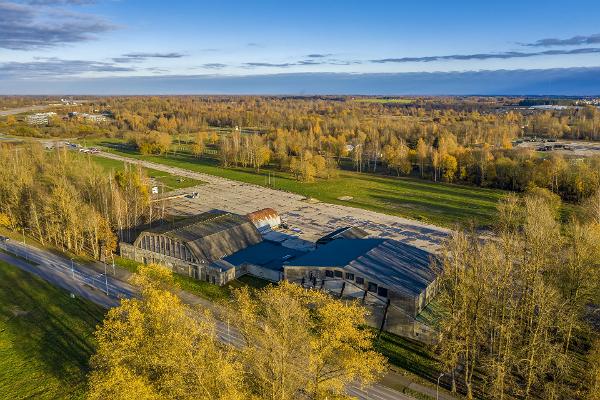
[(430, 202), (384, 101), (171, 182), (45, 338)]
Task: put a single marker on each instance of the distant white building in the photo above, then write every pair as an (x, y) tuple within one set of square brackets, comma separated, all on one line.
[(94, 117), (39, 118)]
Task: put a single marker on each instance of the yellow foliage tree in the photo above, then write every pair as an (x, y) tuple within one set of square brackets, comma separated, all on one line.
[(153, 348), (303, 341)]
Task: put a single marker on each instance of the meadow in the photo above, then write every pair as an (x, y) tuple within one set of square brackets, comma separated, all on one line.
[(432, 202), (46, 338), (170, 182)]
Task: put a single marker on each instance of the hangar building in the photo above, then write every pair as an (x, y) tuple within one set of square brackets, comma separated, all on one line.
[(196, 246), (384, 268)]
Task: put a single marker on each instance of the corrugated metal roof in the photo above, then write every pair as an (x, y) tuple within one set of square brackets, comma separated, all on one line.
[(347, 232), (267, 217), (265, 254), (213, 235), (398, 266)]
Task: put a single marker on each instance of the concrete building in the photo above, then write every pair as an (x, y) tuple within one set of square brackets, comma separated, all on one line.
[(39, 118), (215, 247), (196, 246), (388, 271), (95, 118), (395, 281)]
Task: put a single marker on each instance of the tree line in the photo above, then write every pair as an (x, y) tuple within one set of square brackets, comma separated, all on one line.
[(520, 310), (463, 140), (65, 200)]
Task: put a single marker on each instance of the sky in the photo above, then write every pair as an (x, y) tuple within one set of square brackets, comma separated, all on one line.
[(299, 47)]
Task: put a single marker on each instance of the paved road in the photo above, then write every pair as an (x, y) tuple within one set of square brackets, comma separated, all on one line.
[(78, 279), (89, 284), (19, 110), (312, 219)]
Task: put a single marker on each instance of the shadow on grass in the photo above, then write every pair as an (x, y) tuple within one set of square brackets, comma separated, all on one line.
[(53, 331), (409, 355)]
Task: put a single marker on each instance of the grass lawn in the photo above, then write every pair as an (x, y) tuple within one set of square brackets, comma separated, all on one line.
[(45, 338), (409, 355), (437, 203), (170, 181)]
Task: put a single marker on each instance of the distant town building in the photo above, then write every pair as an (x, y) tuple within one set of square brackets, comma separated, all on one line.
[(39, 118), (96, 118)]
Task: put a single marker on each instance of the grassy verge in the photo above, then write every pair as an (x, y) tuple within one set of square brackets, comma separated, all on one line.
[(45, 338), (437, 203), (409, 355)]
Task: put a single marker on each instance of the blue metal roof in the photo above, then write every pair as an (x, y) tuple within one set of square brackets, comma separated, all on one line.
[(398, 266), (265, 254)]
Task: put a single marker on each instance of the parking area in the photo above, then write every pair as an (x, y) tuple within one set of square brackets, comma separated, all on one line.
[(307, 220)]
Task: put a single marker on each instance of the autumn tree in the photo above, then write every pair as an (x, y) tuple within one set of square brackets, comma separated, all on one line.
[(422, 153), (153, 348), (303, 341), (199, 143)]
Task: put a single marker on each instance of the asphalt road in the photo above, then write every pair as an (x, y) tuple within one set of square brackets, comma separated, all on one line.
[(89, 284), (19, 110)]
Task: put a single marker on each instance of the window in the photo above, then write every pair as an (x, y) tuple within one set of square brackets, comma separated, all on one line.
[(329, 273), (383, 292), (349, 276), (360, 280), (372, 287), (338, 274)]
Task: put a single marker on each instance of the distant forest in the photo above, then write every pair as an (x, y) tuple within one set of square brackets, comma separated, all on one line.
[(454, 139)]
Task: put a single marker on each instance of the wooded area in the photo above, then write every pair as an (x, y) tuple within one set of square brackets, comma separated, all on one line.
[(466, 140), (296, 343), (69, 202), (521, 309)]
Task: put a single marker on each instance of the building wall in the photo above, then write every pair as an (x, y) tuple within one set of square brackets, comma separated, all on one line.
[(400, 318), (258, 271), (202, 272), (411, 305)]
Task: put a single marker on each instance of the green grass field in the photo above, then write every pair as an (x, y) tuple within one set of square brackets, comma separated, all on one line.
[(438, 203), (170, 181), (45, 338)]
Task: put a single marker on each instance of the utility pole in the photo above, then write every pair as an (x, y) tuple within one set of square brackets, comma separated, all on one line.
[(105, 279)]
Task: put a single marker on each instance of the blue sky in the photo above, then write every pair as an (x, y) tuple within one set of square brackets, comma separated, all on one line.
[(54, 43)]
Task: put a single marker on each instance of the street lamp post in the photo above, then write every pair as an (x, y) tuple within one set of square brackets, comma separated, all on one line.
[(105, 279), (437, 388), (72, 269)]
